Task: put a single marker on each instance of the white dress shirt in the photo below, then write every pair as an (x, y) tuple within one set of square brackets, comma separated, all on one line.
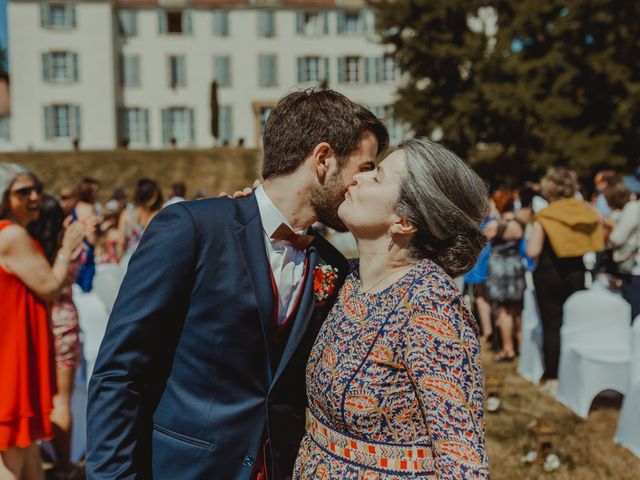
[(287, 262)]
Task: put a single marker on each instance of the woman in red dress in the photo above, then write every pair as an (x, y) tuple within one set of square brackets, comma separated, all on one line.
[(27, 283)]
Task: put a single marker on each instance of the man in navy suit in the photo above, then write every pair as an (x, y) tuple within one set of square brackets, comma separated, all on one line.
[(201, 371)]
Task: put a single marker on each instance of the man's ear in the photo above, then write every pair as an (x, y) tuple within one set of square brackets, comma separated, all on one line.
[(322, 157)]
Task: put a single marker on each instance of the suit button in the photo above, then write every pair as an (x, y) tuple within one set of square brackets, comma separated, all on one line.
[(248, 461)]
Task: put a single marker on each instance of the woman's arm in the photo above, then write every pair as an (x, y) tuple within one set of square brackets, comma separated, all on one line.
[(535, 242), (21, 257), (442, 359), (627, 224)]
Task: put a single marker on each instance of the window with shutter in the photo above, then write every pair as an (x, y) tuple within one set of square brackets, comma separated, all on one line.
[(58, 16), (267, 73), (220, 23), (177, 74), (4, 128), (131, 71), (222, 70), (225, 134), (266, 23), (128, 22)]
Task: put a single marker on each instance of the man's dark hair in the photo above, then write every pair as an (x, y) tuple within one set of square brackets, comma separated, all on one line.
[(302, 120), (179, 189), (86, 189)]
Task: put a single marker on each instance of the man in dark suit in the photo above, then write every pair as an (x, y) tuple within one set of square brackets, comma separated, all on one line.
[(201, 371)]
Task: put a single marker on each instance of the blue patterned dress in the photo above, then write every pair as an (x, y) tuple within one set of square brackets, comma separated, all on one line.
[(395, 385)]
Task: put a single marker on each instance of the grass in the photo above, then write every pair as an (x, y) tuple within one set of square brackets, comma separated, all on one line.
[(585, 447)]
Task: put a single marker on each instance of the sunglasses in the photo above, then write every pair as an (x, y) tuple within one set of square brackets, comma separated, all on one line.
[(27, 191)]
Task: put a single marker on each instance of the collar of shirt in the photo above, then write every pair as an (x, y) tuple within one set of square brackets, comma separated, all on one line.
[(271, 217)]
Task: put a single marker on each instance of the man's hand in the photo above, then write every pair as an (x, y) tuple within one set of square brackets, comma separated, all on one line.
[(241, 193)]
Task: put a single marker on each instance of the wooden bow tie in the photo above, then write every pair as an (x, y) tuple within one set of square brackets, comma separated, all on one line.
[(284, 233)]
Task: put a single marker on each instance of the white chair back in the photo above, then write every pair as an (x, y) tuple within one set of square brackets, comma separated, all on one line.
[(596, 318)]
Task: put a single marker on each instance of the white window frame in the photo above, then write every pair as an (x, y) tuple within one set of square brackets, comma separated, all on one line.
[(53, 130), (47, 15), (140, 136), (169, 117), (352, 65), (306, 70), (57, 61)]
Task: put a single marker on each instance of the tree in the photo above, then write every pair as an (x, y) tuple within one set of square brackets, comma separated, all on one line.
[(558, 84)]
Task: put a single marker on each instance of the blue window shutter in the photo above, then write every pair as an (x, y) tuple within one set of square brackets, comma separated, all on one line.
[(71, 10), (188, 22), (162, 22), (45, 67), (44, 14), (327, 71), (341, 66), (47, 123), (325, 23), (379, 65), (341, 22), (76, 121), (367, 70), (74, 62), (146, 125), (165, 126), (192, 126), (299, 22), (182, 74), (227, 70), (301, 76)]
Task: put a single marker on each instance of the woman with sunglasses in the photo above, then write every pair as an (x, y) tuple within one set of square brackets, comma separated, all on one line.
[(27, 283)]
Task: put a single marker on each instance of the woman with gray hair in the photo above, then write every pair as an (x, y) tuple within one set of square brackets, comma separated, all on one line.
[(394, 380), (27, 282)]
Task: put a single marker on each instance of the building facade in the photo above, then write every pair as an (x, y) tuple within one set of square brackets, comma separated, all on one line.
[(99, 74)]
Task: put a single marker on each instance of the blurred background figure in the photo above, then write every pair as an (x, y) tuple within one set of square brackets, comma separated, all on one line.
[(27, 282), (87, 209), (625, 239), (505, 281), (148, 201), (68, 198), (118, 200), (48, 230), (602, 180), (561, 234), (178, 193)]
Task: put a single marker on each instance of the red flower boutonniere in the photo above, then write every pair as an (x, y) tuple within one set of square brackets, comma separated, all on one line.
[(324, 283)]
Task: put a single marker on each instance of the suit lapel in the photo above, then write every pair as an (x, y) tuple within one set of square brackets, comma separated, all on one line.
[(250, 237), (305, 311)]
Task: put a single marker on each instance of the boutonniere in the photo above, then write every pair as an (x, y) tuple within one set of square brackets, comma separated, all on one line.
[(324, 282)]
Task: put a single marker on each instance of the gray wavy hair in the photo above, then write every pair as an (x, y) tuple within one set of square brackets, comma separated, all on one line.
[(8, 174), (446, 201)]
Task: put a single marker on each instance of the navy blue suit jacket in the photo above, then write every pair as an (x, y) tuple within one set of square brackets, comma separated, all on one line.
[(187, 383)]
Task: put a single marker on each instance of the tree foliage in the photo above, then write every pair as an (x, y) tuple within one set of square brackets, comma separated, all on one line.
[(558, 83)]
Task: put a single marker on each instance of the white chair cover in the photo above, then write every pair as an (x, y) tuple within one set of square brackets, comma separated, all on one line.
[(628, 432), (595, 352), (106, 283), (530, 364)]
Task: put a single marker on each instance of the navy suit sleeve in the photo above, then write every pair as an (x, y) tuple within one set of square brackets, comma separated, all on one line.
[(136, 352)]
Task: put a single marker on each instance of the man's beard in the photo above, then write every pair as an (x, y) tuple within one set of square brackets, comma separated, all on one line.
[(326, 199)]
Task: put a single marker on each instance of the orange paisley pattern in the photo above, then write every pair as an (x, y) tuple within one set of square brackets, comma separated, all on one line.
[(392, 373)]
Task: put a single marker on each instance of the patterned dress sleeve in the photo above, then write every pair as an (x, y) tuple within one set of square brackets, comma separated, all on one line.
[(442, 358)]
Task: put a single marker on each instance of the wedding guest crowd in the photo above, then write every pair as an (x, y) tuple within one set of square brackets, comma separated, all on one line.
[(548, 228), (48, 243)]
